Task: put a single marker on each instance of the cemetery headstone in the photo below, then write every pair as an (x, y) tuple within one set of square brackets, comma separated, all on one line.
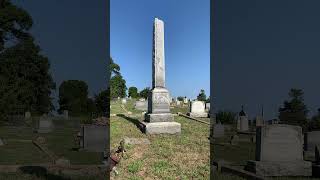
[(27, 115), (259, 121), (178, 103), (66, 114), (1, 142), (124, 101), (317, 154), (94, 138), (197, 109), (45, 124), (218, 130), (242, 122), (158, 119), (279, 152), (185, 100), (141, 105), (311, 139), (234, 140), (207, 107)]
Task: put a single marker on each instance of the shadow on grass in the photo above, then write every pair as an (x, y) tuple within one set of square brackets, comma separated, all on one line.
[(41, 172), (136, 122)]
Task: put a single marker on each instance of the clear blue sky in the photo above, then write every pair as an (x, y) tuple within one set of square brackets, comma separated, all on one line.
[(72, 34), (262, 49), (187, 43)]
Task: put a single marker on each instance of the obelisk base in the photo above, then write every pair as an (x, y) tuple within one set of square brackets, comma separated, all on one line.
[(162, 128), (159, 117)]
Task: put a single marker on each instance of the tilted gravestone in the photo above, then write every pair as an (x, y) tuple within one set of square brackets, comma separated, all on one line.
[(279, 152), (311, 139), (141, 105), (94, 138), (45, 124), (197, 109), (158, 119), (234, 140)]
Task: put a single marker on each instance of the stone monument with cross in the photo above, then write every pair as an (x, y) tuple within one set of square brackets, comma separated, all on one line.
[(158, 119)]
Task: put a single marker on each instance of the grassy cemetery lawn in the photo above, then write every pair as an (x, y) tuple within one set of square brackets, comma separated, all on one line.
[(19, 148), (168, 156)]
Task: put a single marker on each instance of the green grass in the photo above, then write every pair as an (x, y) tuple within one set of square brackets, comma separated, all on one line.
[(60, 141), (183, 156)]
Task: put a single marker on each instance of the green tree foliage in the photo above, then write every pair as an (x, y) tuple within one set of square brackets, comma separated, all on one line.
[(73, 96), (102, 102), (145, 92), (294, 111), (208, 100), (180, 98), (202, 96), (118, 86), (133, 92), (225, 117), (25, 81), (14, 24)]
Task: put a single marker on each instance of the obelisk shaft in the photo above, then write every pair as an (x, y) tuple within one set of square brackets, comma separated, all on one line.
[(158, 69)]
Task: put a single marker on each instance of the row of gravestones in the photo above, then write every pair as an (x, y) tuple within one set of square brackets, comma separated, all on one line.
[(280, 150), (197, 108), (65, 115)]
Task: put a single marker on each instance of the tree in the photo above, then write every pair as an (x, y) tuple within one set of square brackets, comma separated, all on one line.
[(202, 96), (15, 23), (180, 98), (208, 100), (25, 81), (118, 86), (102, 102), (225, 117), (145, 92), (294, 111), (73, 96), (133, 92)]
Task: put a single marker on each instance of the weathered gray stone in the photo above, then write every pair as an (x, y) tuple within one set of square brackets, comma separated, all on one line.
[(244, 124), (197, 109), (270, 168), (158, 115), (66, 114), (207, 107), (62, 162), (311, 140), (317, 154), (218, 130), (1, 142), (259, 121), (178, 103), (134, 141), (124, 101), (162, 128), (161, 117), (94, 138), (45, 125), (234, 140), (279, 152), (141, 105), (27, 115)]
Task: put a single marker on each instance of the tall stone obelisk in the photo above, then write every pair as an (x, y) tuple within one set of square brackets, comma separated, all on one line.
[(159, 118)]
